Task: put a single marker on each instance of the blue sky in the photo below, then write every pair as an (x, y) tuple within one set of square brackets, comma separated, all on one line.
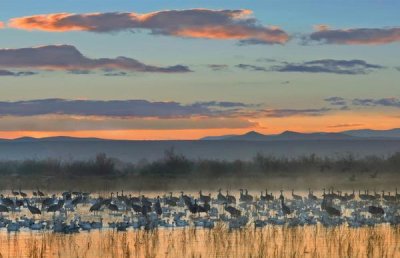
[(262, 82)]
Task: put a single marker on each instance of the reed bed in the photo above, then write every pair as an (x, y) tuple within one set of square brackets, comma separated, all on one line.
[(271, 241)]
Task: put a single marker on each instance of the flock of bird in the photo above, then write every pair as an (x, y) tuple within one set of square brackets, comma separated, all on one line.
[(63, 212)]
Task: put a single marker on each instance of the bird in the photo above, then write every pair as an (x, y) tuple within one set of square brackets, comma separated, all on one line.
[(24, 195), (232, 211), (113, 207), (3, 208), (296, 197), (221, 197), (332, 211), (56, 207), (204, 198), (193, 208), (230, 198), (311, 196), (374, 210), (15, 193), (96, 206), (285, 209), (157, 207), (34, 210)]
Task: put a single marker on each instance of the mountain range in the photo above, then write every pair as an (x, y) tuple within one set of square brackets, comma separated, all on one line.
[(361, 143), (291, 135)]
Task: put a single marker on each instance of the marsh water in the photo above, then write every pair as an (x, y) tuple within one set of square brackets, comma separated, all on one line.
[(382, 240)]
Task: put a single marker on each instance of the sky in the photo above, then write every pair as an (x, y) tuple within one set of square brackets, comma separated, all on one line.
[(162, 70)]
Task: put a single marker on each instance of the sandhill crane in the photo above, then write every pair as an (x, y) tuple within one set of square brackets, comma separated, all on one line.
[(3, 208), (327, 206), (245, 196), (311, 196), (157, 206), (56, 207), (7, 202), (230, 198), (204, 198), (268, 197), (374, 210), (40, 193), (221, 197), (24, 195), (332, 211), (205, 208), (388, 198), (34, 210), (193, 208), (113, 207), (285, 209), (15, 193), (96, 206), (186, 199), (232, 210), (136, 208), (296, 197)]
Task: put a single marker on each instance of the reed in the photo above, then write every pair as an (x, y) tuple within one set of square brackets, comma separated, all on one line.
[(270, 241)]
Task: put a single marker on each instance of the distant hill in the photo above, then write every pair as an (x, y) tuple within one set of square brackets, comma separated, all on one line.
[(51, 139), (287, 135), (291, 135), (391, 133)]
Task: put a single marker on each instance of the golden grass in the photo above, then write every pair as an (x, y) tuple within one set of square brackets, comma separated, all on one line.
[(271, 241)]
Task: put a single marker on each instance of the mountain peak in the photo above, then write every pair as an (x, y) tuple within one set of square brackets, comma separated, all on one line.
[(253, 133)]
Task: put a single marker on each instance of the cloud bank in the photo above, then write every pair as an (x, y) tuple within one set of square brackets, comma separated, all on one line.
[(68, 58), (192, 23), (356, 36), (349, 67), (117, 108), (16, 74)]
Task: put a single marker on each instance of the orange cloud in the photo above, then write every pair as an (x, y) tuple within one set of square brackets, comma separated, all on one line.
[(2, 25), (193, 23), (352, 120)]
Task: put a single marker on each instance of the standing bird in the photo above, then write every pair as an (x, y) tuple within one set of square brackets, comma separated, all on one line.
[(56, 207), (232, 211), (374, 210), (3, 208), (24, 195), (296, 197), (34, 210), (157, 207), (285, 209)]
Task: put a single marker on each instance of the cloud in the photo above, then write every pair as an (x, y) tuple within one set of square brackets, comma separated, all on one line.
[(16, 74), (387, 102), (192, 23), (252, 67), (218, 67), (356, 36), (118, 108), (2, 25), (344, 125), (62, 123), (349, 67), (112, 74), (68, 58), (295, 112), (336, 101)]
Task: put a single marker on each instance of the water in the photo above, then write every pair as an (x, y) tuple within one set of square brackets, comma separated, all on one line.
[(381, 240)]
